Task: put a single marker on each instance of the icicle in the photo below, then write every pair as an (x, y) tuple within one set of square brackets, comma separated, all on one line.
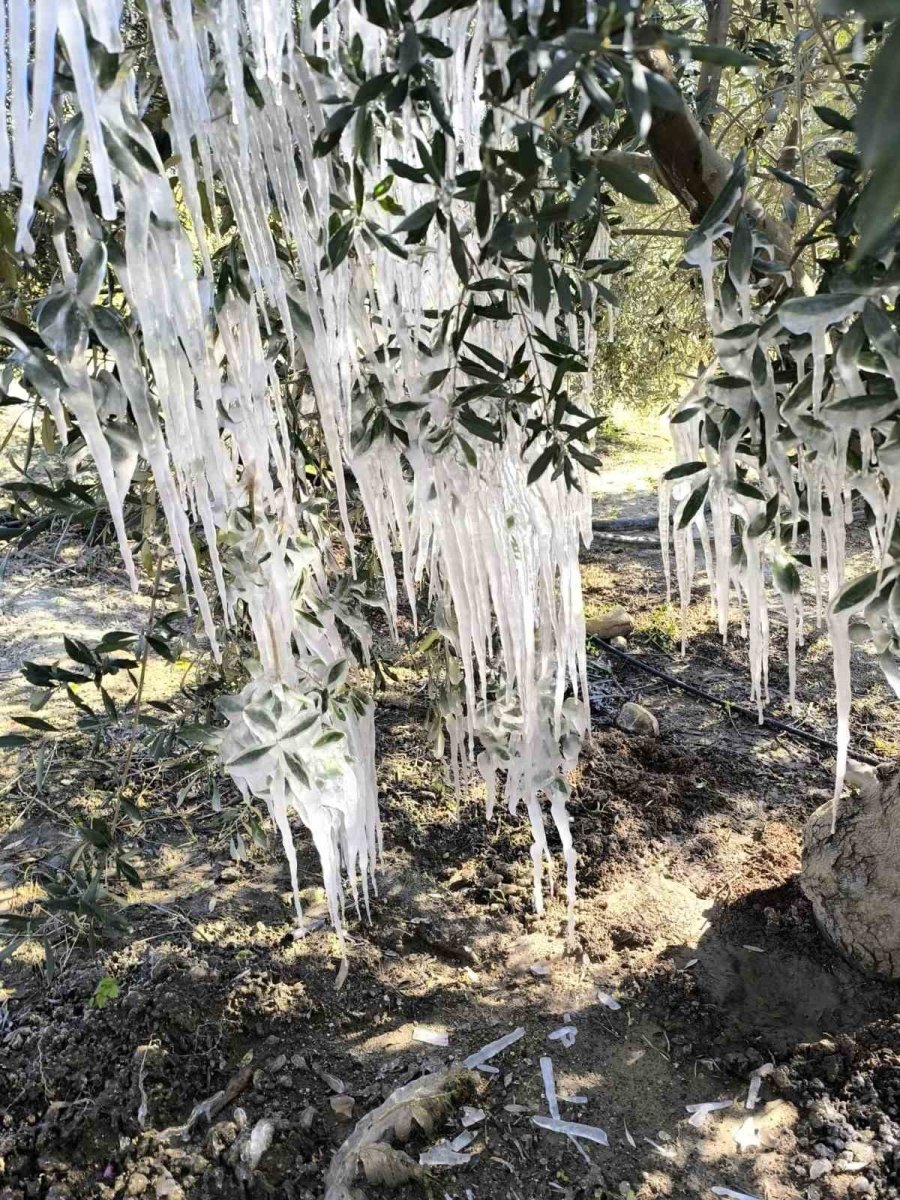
[(45, 17)]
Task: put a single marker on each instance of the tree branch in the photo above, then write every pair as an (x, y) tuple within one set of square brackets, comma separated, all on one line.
[(718, 14), (694, 171)]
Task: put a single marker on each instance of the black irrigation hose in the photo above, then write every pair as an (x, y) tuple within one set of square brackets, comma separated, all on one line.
[(731, 706)]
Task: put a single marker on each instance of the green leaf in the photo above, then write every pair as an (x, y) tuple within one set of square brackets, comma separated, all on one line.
[(35, 723), (334, 127), (418, 220), (458, 254), (596, 94), (337, 673), (410, 51), (79, 651), (248, 757), (684, 414), (682, 470), (555, 80), (329, 738), (832, 117), (802, 314), (405, 171), (483, 208), (785, 574), (541, 280), (106, 990), (373, 88), (319, 13), (693, 504), (856, 594), (339, 244), (715, 219), (740, 253), (542, 462), (801, 190), (478, 426), (14, 741), (624, 180)]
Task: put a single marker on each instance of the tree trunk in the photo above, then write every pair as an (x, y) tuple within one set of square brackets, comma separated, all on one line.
[(852, 875), (688, 164)]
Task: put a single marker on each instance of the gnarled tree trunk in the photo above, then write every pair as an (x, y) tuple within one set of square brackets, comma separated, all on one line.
[(852, 875)]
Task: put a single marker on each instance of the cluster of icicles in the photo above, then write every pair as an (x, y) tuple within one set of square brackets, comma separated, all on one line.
[(806, 473), (499, 557)]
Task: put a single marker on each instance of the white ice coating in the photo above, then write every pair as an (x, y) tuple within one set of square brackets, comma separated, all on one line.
[(499, 557), (805, 430)]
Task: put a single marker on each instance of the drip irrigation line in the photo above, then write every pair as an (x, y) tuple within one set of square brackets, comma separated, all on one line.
[(731, 706)]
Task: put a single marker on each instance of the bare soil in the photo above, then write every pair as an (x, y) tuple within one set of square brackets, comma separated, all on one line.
[(689, 918)]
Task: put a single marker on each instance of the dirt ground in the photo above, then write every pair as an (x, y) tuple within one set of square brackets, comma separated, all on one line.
[(697, 961)]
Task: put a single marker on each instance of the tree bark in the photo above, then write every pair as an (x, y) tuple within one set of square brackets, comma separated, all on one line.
[(852, 875), (718, 14), (694, 171)]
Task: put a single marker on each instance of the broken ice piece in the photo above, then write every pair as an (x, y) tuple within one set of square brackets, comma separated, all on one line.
[(574, 1099), (691, 962), (756, 1079), (443, 1155), (539, 969), (480, 1057), (665, 1151), (731, 1194), (462, 1140), (433, 1037), (755, 949), (515, 1108), (565, 1034), (746, 1134), (471, 1116), (550, 1087), (628, 1138), (699, 1112), (572, 1129), (608, 1000)]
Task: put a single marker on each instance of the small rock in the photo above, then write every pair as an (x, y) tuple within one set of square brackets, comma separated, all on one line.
[(618, 643), (820, 1167), (860, 1152), (860, 1186), (166, 1187), (342, 1107), (615, 623), (634, 718), (137, 1184), (307, 1117)]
